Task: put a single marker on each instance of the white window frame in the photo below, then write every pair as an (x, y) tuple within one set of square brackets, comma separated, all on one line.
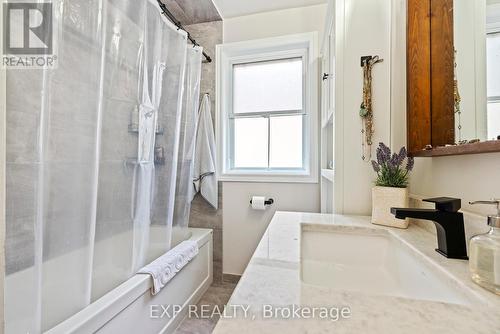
[(303, 46)]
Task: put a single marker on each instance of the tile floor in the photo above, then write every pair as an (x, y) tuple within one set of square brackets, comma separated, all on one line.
[(217, 295)]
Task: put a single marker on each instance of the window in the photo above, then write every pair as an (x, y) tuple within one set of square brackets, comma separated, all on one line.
[(493, 83), (267, 115)]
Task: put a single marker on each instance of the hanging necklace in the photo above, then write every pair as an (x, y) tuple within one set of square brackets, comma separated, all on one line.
[(457, 99), (366, 108)]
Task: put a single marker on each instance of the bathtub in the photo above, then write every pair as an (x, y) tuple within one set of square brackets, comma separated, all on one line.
[(128, 307)]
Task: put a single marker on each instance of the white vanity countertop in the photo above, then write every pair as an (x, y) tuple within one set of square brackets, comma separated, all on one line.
[(273, 278)]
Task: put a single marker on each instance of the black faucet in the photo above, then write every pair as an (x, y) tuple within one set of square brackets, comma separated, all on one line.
[(449, 224)]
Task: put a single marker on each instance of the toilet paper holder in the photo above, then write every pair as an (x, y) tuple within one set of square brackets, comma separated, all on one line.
[(266, 202)]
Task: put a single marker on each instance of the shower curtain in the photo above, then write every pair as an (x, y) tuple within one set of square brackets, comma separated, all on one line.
[(91, 192), (184, 188)]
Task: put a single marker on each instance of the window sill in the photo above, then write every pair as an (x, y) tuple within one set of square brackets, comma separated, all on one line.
[(269, 178)]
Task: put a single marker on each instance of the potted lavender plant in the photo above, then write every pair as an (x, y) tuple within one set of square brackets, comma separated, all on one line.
[(390, 186)]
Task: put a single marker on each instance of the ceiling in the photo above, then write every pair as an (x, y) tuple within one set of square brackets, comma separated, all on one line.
[(192, 11), (232, 8)]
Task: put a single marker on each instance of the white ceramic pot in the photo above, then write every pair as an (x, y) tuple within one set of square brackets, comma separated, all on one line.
[(385, 198)]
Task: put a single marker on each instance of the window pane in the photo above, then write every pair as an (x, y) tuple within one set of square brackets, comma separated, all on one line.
[(286, 142), (493, 120), (250, 142), (493, 64), (268, 86)]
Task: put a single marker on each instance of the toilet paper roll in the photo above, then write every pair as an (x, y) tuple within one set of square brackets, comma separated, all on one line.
[(258, 203)]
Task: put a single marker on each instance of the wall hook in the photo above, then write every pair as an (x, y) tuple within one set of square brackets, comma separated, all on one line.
[(373, 59), (364, 59)]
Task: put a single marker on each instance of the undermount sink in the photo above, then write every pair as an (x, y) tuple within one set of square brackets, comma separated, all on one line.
[(372, 261)]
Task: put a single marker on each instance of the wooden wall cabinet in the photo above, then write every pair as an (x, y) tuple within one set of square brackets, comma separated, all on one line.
[(430, 74), (430, 82)]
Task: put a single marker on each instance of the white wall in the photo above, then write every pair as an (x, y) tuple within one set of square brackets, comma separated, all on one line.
[(276, 23), (469, 177), (243, 227), (362, 28)]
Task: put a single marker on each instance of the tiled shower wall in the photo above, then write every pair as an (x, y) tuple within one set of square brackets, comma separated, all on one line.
[(23, 116), (208, 35), (74, 109), (76, 82), (21, 167)]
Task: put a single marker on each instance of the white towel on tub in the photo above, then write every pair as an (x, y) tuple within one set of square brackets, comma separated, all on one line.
[(164, 268)]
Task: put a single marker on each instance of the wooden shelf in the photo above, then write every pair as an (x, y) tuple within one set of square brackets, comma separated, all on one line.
[(327, 174), (476, 148)]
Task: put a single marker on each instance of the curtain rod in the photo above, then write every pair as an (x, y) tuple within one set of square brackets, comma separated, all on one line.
[(178, 24)]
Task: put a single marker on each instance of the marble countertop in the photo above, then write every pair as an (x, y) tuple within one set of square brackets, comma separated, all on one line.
[(271, 283)]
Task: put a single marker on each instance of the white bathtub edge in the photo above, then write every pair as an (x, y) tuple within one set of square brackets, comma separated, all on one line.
[(108, 306), (174, 323)]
